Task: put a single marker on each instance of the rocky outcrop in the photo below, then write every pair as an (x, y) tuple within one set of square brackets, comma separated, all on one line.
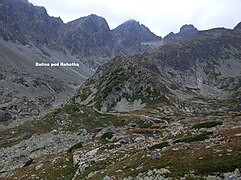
[(132, 37), (24, 23), (88, 36), (38, 145)]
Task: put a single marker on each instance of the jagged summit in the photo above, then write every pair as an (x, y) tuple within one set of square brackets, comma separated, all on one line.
[(133, 34), (186, 32), (91, 17), (187, 27), (88, 38)]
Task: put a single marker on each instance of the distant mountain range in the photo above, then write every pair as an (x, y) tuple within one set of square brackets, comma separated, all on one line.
[(88, 38)]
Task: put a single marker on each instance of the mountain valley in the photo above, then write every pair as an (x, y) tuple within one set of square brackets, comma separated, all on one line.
[(138, 106)]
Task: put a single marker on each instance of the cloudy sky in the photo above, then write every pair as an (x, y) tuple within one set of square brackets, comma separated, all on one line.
[(160, 16)]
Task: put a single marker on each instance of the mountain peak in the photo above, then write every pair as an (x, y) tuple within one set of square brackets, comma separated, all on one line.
[(131, 21), (94, 16), (187, 27), (187, 31)]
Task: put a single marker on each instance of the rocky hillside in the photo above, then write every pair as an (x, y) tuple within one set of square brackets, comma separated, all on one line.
[(29, 35), (207, 66), (27, 91)]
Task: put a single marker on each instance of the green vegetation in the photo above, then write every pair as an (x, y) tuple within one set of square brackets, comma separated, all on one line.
[(84, 94), (77, 117), (199, 137), (71, 109), (2, 77), (115, 84), (62, 168), (111, 146), (107, 135), (147, 96), (28, 163), (198, 159), (76, 146), (146, 125), (21, 81), (21, 133), (209, 124), (117, 78), (37, 83), (220, 164), (159, 146)]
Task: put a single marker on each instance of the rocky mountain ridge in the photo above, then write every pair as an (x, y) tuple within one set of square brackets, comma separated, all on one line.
[(208, 66), (88, 38)]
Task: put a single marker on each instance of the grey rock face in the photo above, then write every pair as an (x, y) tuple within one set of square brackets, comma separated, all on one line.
[(21, 21), (129, 37), (91, 37), (38, 145), (232, 175), (88, 36), (4, 117), (27, 90), (155, 155)]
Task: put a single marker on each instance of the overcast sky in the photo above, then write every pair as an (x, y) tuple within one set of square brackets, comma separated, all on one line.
[(160, 16)]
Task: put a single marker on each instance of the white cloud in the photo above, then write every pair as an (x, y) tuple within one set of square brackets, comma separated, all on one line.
[(161, 16)]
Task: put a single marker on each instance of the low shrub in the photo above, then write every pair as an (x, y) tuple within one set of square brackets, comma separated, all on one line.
[(28, 163), (209, 124), (76, 146), (107, 135), (199, 137), (159, 146)]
